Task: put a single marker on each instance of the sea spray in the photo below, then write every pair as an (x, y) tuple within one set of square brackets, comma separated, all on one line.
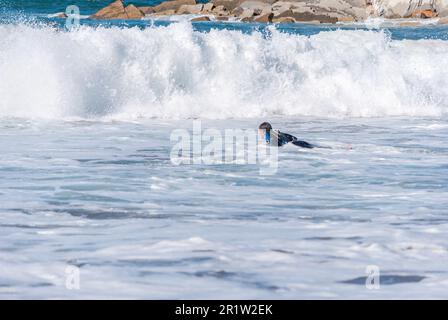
[(174, 72)]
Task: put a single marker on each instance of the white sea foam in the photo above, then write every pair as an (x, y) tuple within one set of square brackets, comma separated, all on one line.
[(174, 72)]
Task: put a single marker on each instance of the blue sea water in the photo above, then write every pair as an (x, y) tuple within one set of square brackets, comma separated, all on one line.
[(87, 179)]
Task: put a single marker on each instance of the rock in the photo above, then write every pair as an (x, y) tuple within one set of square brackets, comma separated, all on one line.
[(220, 11), (228, 4), (441, 7), (259, 7), (208, 7), (147, 10), (267, 18), (200, 19), (424, 14), (346, 19), (393, 9), (117, 10), (173, 5), (283, 20), (246, 14), (238, 11), (190, 9), (281, 6), (165, 13), (222, 18), (62, 15), (133, 12), (326, 11), (307, 16)]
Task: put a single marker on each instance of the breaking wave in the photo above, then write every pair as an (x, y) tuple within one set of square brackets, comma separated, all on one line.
[(174, 72)]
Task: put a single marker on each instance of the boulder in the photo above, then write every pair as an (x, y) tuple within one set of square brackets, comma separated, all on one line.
[(251, 8), (267, 18), (173, 5), (190, 9), (208, 7), (347, 10), (147, 10), (259, 7), (305, 16), (115, 10), (281, 6), (441, 7), (165, 13), (346, 19), (133, 12), (246, 14), (394, 9), (220, 11), (200, 19), (424, 14), (228, 4), (283, 20), (238, 11)]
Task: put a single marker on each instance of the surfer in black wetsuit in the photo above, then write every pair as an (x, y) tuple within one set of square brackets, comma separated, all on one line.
[(277, 138)]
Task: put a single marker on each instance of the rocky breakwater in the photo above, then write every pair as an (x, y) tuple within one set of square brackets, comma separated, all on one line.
[(266, 11)]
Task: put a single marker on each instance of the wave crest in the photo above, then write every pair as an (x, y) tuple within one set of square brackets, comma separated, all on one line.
[(174, 72)]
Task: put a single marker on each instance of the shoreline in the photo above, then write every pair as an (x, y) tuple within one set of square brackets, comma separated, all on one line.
[(343, 12)]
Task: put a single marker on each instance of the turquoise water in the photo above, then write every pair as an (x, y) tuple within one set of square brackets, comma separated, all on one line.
[(86, 6), (88, 181), (39, 10)]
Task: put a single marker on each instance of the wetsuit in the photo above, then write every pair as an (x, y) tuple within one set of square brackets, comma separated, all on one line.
[(279, 138)]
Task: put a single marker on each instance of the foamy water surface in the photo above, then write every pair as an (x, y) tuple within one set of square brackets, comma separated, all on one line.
[(87, 181)]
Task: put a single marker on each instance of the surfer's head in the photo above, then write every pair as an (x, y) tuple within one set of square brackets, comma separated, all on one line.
[(264, 131)]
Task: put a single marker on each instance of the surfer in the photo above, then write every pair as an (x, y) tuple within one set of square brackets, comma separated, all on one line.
[(277, 138)]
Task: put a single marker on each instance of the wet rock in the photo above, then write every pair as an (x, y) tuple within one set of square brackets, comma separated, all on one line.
[(306, 16), (424, 14), (323, 11), (267, 18), (346, 19), (283, 20), (200, 19)]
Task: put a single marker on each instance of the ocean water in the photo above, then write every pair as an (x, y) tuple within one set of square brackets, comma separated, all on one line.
[(88, 186)]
